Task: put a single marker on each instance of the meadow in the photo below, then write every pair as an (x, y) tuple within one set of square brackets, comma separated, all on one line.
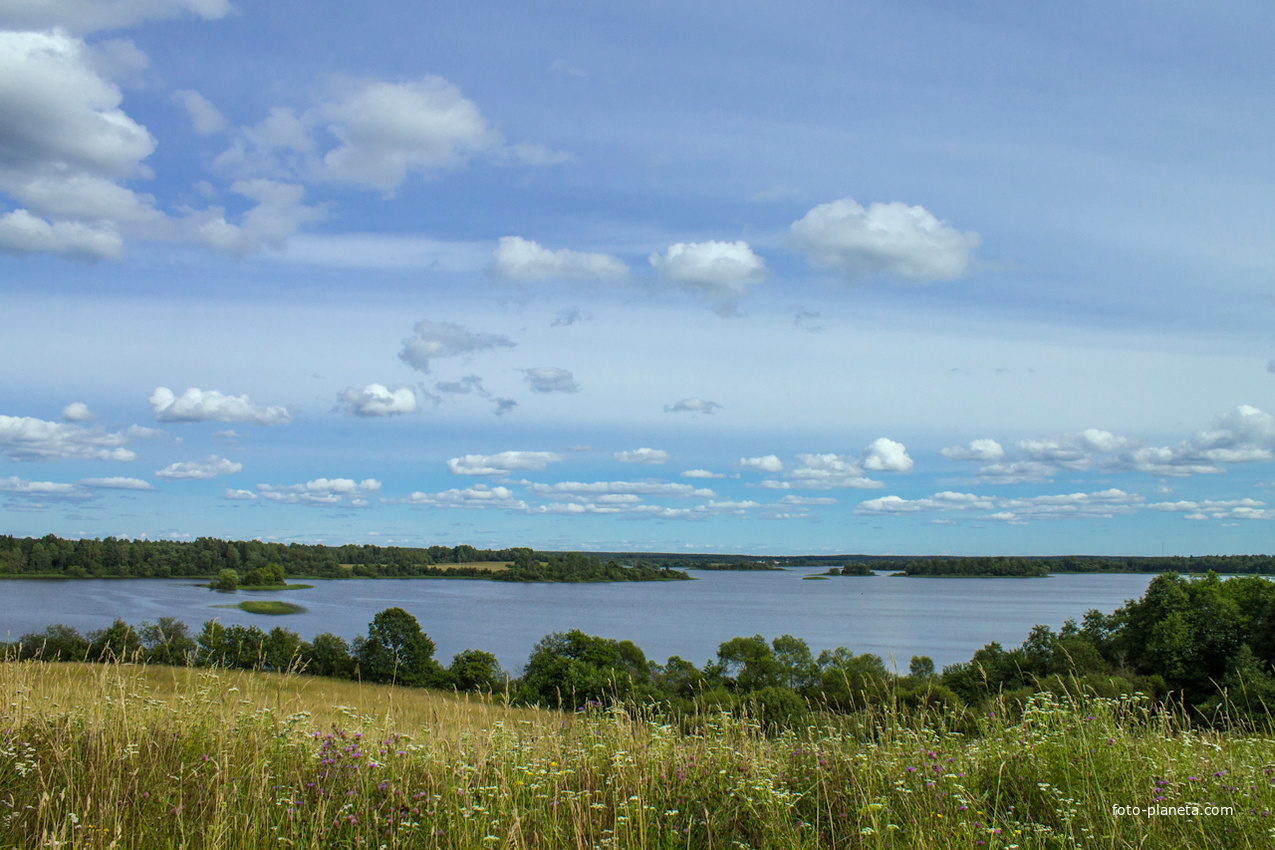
[(148, 756)]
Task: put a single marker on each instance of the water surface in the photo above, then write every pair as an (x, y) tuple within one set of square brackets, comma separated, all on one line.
[(896, 618)]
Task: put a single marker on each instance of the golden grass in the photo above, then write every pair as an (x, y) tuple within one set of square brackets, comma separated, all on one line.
[(90, 690), (116, 756)]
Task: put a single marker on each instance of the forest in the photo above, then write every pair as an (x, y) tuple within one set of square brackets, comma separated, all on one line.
[(208, 557)]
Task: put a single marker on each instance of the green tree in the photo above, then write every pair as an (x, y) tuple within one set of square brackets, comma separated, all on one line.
[(396, 650), (227, 580), (475, 670), (118, 642)]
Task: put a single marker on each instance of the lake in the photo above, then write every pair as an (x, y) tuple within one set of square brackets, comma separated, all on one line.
[(896, 618)]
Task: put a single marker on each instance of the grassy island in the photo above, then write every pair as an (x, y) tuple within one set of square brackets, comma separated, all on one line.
[(266, 606)]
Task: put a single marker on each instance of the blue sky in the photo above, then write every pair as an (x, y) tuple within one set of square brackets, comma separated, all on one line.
[(836, 277)]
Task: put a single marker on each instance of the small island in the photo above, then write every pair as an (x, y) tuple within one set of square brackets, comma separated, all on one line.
[(975, 568), (270, 607), (851, 570)]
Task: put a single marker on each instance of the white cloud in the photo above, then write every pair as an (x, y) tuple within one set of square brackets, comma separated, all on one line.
[(1104, 504), (1244, 435), (885, 455), (502, 463), (693, 405), (1233, 509), (890, 239), (549, 379), (322, 492), (824, 471), (239, 495), (22, 233), (199, 470), (77, 411), (388, 130), (28, 438), (766, 463), (24, 489), (721, 270), (65, 146), (478, 496), (1016, 472), (278, 214), (115, 483), (205, 118), (377, 400), (980, 450), (595, 490), (87, 16), (702, 473), (643, 455), (445, 339), (197, 405), (521, 259), (807, 501)]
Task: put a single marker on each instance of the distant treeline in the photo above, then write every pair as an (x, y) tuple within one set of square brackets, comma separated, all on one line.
[(1204, 643), (1019, 566), (208, 557)]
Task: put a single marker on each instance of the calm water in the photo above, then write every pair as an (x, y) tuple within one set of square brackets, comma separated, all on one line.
[(947, 619)]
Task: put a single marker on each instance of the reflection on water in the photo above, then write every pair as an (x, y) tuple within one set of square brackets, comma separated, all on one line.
[(945, 618)]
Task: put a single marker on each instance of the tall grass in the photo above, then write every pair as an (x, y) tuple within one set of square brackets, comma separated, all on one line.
[(121, 756)]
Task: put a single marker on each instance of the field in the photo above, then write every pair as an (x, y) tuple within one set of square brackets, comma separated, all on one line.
[(123, 756)]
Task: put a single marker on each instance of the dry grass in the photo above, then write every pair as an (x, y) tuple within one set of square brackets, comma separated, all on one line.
[(117, 756)]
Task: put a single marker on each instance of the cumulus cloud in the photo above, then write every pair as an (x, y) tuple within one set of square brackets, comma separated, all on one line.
[(322, 492), (824, 471), (767, 463), (115, 483), (197, 405), (205, 118), (1103, 504), (28, 438), (377, 400), (1209, 509), (502, 463), (22, 233), (65, 147), (1244, 435), (885, 455), (626, 491), (478, 496), (388, 130), (980, 450), (885, 239), (86, 16), (521, 259), (77, 411), (702, 473), (239, 495), (279, 213), (693, 405), (643, 455), (549, 379), (41, 490), (199, 470), (722, 270), (445, 339)]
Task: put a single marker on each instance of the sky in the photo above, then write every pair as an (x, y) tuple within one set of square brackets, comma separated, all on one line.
[(826, 277)]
